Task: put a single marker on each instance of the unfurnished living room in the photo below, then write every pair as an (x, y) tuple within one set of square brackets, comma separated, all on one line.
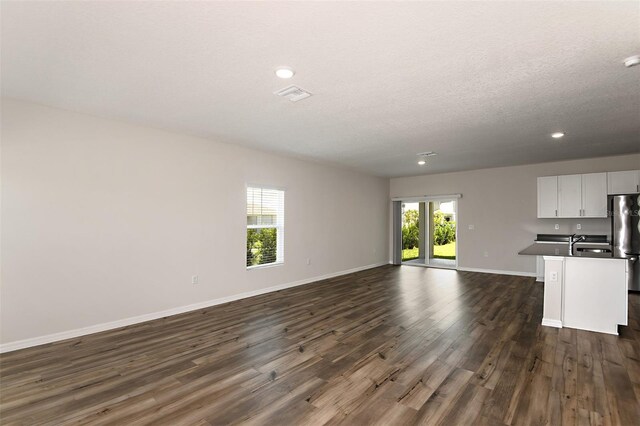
[(320, 213)]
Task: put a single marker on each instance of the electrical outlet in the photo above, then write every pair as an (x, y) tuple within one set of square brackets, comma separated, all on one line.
[(308, 261), (578, 226), (553, 276), (556, 227), (472, 227), (194, 279)]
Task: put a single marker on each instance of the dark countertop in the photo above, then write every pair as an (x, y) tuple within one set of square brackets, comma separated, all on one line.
[(562, 249)]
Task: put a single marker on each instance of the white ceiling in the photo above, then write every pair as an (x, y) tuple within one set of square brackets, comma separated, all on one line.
[(481, 83)]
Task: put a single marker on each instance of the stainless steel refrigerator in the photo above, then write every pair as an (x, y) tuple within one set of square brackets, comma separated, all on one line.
[(625, 232)]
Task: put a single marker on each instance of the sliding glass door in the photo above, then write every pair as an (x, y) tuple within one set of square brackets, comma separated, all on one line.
[(425, 232), (414, 249), (442, 241)]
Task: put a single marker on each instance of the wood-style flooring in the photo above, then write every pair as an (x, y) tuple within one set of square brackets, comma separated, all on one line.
[(391, 345)]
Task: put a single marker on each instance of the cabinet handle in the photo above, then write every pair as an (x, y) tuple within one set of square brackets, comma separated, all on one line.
[(556, 212)]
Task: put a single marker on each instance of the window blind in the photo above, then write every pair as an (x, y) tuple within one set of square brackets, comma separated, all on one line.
[(265, 226)]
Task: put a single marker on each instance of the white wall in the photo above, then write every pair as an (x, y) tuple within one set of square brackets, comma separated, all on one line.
[(104, 221), (501, 204)]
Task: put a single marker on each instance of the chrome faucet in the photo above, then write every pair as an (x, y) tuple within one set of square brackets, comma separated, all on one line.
[(575, 239)]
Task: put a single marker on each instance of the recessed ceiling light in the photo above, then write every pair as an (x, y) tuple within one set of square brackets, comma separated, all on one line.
[(557, 135), (632, 61), (285, 72), (422, 162)]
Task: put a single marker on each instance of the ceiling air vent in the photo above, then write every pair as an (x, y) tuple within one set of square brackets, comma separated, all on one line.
[(293, 93)]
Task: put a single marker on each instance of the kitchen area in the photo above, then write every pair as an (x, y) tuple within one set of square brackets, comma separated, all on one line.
[(587, 278)]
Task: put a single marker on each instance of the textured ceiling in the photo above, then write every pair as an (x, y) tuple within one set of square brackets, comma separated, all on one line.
[(481, 83)]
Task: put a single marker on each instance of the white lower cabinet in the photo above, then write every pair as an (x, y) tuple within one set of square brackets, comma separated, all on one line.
[(585, 293)]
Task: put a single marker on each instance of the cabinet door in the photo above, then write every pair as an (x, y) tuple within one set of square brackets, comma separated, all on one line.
[(569, 195), (547, 196), (627, 182), (594, 294), (594, 195)]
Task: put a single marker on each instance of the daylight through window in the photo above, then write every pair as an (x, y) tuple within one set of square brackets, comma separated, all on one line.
[(265, 226)]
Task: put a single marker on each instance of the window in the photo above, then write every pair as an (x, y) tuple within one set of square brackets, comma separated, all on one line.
[(265, 226)]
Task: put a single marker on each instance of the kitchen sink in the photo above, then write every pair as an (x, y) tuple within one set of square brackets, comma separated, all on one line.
[(592, 250), (565, 238)]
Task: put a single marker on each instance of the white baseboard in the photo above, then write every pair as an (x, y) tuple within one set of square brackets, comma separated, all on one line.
[(486, 271), (498, 271), (552, 323), (70, 334)]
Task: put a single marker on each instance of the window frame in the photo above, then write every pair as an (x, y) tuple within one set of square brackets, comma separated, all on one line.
[(279, 226)]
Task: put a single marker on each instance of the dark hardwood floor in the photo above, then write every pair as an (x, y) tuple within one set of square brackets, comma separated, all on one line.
[(391, 345)]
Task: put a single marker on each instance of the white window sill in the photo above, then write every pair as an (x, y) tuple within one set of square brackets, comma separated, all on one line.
[(268, 265)]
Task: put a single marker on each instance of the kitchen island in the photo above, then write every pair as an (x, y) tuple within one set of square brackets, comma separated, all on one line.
[(584, 287)]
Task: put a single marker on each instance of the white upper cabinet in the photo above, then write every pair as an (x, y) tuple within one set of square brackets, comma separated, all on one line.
[(627, 182), (572, 196), (548, 196), (569, 196), (594, 195)]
